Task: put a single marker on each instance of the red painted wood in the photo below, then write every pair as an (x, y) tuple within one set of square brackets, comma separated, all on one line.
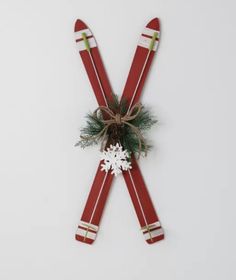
[(94, 192), (143, 195), (141, 190)]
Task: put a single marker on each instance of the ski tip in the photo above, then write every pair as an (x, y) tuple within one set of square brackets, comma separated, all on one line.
[(80, 25), (154, 24)]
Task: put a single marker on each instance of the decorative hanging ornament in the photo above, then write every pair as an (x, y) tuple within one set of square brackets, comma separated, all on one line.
[(115, 159), (119, 126)]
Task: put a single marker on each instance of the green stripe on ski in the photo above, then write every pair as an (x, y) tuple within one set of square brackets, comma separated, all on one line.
[(155, 35), (86, 42)]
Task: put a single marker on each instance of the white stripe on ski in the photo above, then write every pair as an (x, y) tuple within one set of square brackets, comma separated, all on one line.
[(86, 234), (144, 42), (153, 234), (151, 226), (149, 32), (78, 34), (81, 46), (88, 225)]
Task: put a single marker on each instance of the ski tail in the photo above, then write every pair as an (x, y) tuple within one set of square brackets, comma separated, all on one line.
[(94, 207), (145, 211)]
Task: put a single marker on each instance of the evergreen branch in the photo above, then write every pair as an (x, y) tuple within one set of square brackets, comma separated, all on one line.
[(129, 140)]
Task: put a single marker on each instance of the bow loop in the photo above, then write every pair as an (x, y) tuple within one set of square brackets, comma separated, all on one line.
[(131, 114), (112, 118)]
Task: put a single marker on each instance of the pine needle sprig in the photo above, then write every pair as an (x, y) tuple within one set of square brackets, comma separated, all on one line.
[(118, 106), (93, 126), (145, 120)]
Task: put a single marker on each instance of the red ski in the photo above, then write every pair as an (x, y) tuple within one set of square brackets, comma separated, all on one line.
[(92, 213)]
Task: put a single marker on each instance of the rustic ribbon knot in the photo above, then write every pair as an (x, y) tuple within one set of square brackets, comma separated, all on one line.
[(116, 118)]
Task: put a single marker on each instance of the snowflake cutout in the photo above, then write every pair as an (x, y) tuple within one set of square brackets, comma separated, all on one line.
[(115, 158)]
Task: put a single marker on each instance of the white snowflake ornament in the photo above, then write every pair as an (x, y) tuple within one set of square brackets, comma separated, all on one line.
[(115, 158)]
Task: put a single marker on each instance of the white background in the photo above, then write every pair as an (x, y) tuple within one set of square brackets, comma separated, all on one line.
[(45, 180)]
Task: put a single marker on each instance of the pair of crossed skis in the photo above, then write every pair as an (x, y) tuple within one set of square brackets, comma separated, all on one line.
[(147, 46)]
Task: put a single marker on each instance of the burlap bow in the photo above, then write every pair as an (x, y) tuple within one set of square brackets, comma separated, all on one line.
[(116, 118)]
